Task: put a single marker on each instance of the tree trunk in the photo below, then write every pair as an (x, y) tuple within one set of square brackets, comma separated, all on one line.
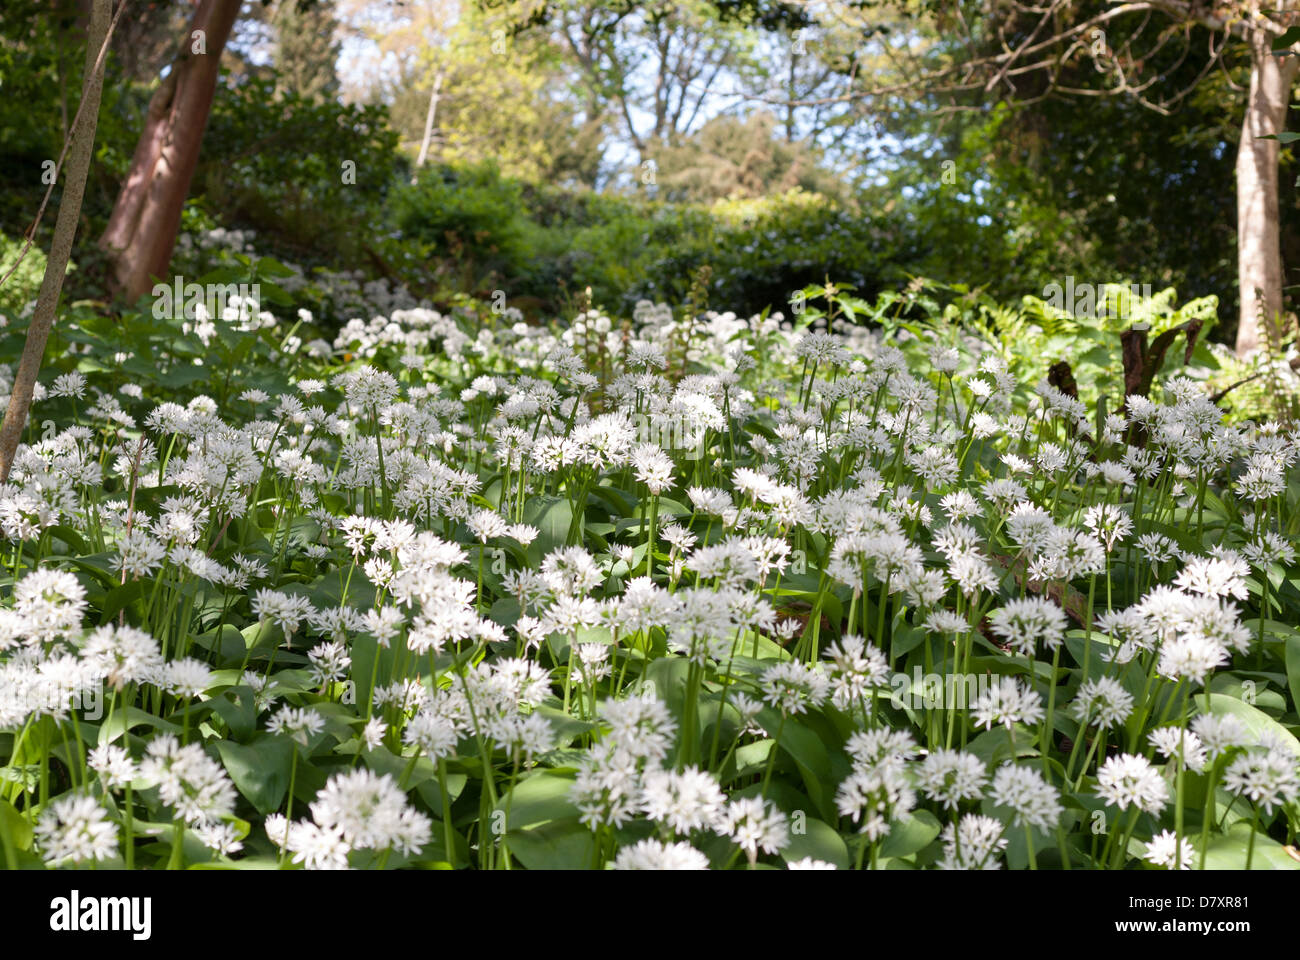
[(1259, 249), (141, 232), (65, 230), (428, 122)]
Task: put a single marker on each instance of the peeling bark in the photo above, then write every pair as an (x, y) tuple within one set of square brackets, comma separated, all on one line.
[(141, 231)]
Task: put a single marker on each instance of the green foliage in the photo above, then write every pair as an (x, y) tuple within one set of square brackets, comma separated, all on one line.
[(21, 288), (471, 214), (734, 157), (37, 67), (265, 575), (768, 247), (535, 242), (306, 50), (309, 176)]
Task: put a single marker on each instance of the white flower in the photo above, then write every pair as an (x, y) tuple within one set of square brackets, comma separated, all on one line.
[(640, 725), (1215, 577), (808, 863), (1025, 623), (314, 846), (651, 854), (874, 797), (185, 678), (1192, 657), (1164, 849), (372, 734), (113, 764), (1220, 733), (1007, 703), (855, 669), (369, 811), (1175, 742), (298, 723), (74, 827), (792, 686), (685, 801), (951, 776), (1130, 780), (1268, 777), (188, 780), (975, 844), (486, 524), (1103, 701), (1023, 789), (754, 826), (220, 838)]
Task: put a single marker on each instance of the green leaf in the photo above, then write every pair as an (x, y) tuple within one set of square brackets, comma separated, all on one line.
[(1228, 851), (560, 845), (551, 516), (382, 760), (238, 708), (260, 770), (1293, 667), (541, 798), (98, 565), (130, 718), (668, 674), (1256, 720), (1286, 136), (820, 841), (1287, 39), (565, 726), (268, 267), (808, 753), (228, 645), (910, 835), (70, 537), (620, 502), (14, 828), (119, 598)]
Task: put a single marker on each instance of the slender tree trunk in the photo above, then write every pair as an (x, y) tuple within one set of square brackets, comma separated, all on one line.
[(65, 231), (141, 232), (428, 122), (1259, 249)]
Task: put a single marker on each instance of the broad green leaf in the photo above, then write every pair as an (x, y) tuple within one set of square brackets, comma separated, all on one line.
[(910, 834), (14, 828), (1228, 851), (808, 753), (541, 798), (1255, 720), (119, 598), (382, 760), (559, 845), (551, 516), (131, 718), (1293, 665), (819, 841), (237, 706), (260, 770), (566, 727)]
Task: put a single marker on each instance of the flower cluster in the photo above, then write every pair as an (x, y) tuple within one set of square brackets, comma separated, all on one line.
[(669, 592)]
